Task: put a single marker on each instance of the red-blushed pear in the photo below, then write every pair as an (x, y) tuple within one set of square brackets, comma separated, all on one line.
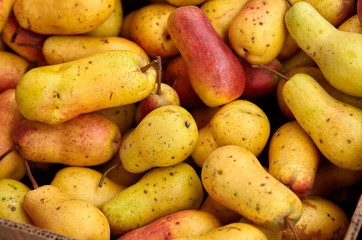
[(161, 95), (24, 42), (215, 73), (260, 82), (176, 76)]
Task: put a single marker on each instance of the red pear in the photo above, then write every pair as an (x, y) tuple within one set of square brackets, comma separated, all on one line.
[(176, 76), (260, 82), (215, 73)]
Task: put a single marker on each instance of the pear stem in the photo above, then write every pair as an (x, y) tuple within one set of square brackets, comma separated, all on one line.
[(16, 147), (151, 64), (29, 45), (13, 38), (100, 184), (290, 2), (30, 175), (289, 223), (159, 75), (270, 70)]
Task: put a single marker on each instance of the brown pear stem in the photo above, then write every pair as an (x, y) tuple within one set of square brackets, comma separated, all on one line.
[(291, 226), (100, 184), (159, 75), (13, 38), (30, 175), (29, 45), (151, 64), (16, 147), (290, 2), (270, 70)]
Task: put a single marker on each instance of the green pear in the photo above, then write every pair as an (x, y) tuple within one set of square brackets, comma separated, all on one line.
[(337, 53), (11, 201), (166, 136), (82, 183), (56, 93), (160, 192), (334, 126), (54, 210)]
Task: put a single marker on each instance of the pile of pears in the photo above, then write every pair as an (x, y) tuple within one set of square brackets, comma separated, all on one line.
[(182, 119)]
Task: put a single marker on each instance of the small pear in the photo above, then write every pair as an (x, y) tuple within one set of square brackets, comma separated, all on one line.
[(336, 52), (334, 126), (54, 210), (82, 183), (11, 201)]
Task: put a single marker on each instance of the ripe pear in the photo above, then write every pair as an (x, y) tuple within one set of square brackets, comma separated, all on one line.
[(67, 18), (53, 94), (12, 166), (111, 27), (184, 223), (336, 52), (294, 158), (334, 126), (87, 140), (352, 24), (321, 219), (234, 177), (258, 32), (221, 13), (232, 231), (54, 210), (82, 183), (166, 136), (160, 192), (240, 122), (213, 69), (11, 201)]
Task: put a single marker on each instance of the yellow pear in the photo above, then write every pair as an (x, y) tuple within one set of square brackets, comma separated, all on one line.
[(258, 32), (82, 183), (334, 126), (54, 210)]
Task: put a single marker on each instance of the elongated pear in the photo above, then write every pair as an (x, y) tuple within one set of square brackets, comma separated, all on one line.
[(335, 127), (337, 53), (53, 94)]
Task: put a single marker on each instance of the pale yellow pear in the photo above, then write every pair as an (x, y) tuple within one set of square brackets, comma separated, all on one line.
[(337, 53), (334, 126), (82, 183), (11, 205), (221, 13), (54, 210), (258, 32)]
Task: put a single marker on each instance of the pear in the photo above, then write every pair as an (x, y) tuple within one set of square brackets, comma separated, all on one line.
[(56, 93), (11, 205), (337, 53), (54, 210), (334, 126), (160, 192), (82, 183)]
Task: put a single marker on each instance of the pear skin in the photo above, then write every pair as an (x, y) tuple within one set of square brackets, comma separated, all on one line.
[(214, 71), (160, 192), (334, 126), (12, 166), (258, 32), (87, 140), (232, 231), (53, 94), (294, 158), (336, 52), (166, 136), (82, 183), (184, 223), (234, 177), (11, 205), (54, 210)]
